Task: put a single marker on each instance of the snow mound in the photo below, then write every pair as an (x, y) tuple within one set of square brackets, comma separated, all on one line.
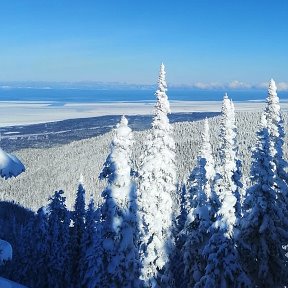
[(10, 165)]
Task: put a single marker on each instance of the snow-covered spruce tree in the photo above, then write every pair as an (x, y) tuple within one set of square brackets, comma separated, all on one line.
[(276, 134), (156, 185), (119, 218), (265, 222), (58, 262), (223, 267), (24, 265), (30, 263), (228, 177), (91, 261), (273, 118), (77, 231), (201, 217), (237, 173), (40, 252)]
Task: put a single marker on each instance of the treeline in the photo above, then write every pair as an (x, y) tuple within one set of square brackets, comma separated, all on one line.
[(222, 231)]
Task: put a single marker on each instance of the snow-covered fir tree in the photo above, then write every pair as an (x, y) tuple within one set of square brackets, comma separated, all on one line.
[(58, 262), (77, 231), (265, 222), (228, 175), (91, 268), (237, 173), (119, 219), (40, 249), (204, 174), (157, 175), (273, 117), (202, 215), (222, 267), (24, 267), (276, 134)]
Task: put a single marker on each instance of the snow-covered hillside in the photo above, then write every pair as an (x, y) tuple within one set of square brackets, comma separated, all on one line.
[(57, 168)]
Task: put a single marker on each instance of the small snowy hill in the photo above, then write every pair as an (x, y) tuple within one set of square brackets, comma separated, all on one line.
[(10, 165), (58, 168)]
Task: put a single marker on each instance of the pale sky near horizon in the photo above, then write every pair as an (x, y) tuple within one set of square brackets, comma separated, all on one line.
[(125, 41)]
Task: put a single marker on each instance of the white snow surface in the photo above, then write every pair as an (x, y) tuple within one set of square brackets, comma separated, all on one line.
[(23, 113)]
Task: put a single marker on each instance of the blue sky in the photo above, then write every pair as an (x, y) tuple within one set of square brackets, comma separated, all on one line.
[(125, 41)]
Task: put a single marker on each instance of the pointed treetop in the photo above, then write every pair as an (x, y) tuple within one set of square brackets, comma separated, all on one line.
[(272, 82), (123, 121), (272, 88), (226, 105), (162, 86), (162, 106), (81, 179), (122, 129), (162, 67)]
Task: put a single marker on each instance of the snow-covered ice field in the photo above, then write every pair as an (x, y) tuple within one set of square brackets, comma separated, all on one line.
[(22, 113)]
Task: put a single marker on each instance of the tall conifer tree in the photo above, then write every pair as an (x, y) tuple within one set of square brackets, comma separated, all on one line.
[(223, 268), (263, 239), (58, 263), (202, 215), (77, 231), (119, 226), (156, 185), (91, 268)]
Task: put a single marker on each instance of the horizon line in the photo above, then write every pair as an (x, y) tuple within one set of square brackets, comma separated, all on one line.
[(233, 85)]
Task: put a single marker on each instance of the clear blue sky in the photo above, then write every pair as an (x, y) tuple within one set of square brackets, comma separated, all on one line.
[(125, 41)]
